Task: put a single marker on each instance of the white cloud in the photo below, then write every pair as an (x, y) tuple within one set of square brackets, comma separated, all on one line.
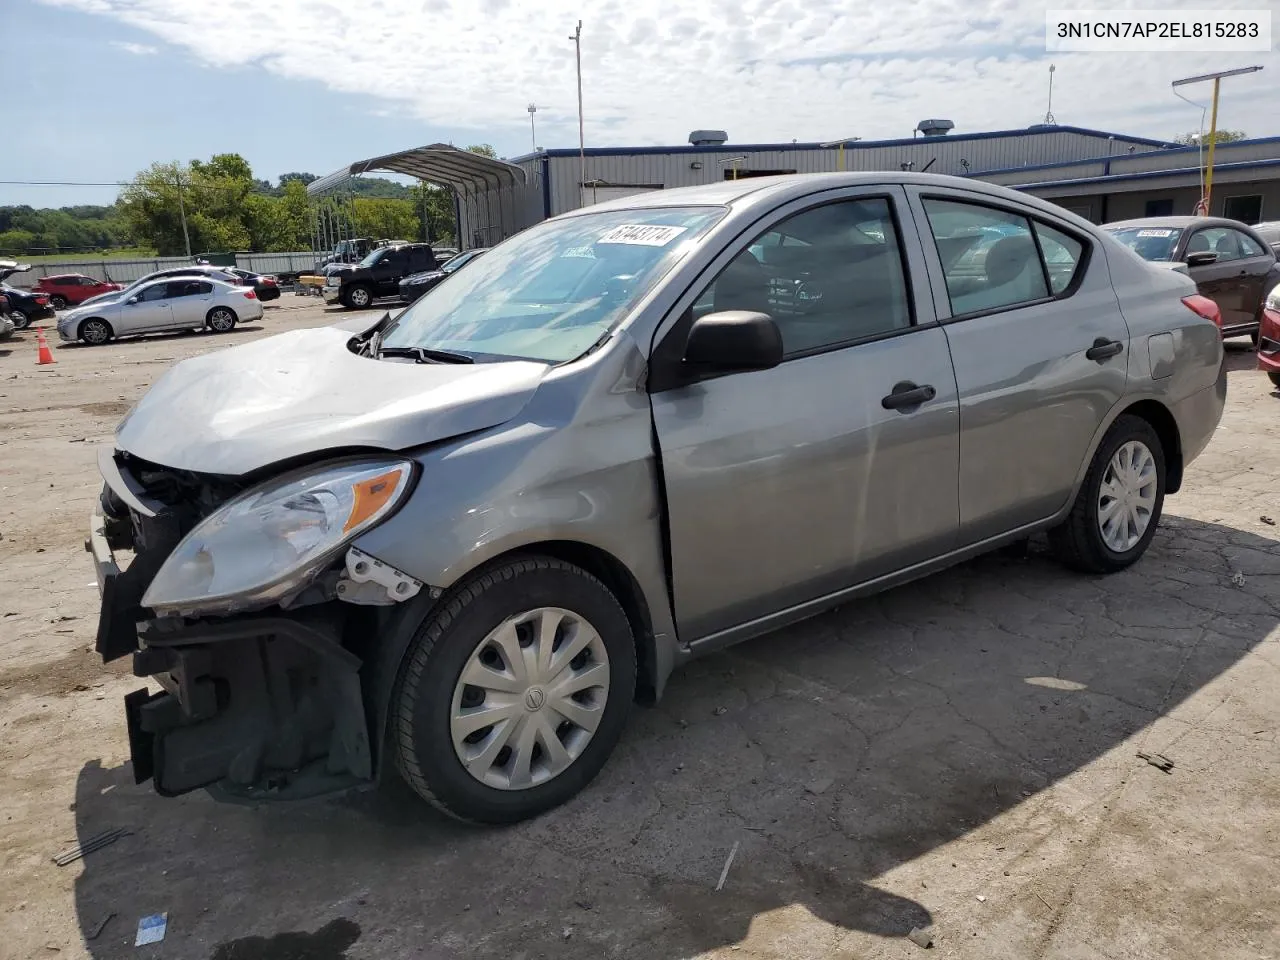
[(765, 70), (137, 49)]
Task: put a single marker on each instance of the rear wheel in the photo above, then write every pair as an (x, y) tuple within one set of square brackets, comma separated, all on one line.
[(95, 331), (58, 302), (514, 691), (359, 297), (1275, 379), (20, 320), (1118, 508), (221, 320)]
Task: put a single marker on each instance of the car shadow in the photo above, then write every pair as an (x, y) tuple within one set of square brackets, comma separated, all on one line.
[(157, 337), (825, 755)]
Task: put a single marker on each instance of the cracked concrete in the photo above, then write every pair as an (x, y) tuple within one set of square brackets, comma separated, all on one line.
[(881, 767)]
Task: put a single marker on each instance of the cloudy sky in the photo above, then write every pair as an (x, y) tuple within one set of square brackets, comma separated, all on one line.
[(313, 84)]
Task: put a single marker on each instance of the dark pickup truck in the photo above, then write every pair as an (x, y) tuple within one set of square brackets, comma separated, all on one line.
[(378, 275)]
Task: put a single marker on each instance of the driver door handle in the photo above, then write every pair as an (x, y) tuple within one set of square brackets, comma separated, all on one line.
[(1103, 349), (906, 394)]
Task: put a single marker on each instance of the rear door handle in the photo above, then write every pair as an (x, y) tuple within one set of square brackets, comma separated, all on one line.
[(907, 394), (1103, 348)]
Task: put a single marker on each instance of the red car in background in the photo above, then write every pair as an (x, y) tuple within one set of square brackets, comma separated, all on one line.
[(1269, 336), (72, 288)]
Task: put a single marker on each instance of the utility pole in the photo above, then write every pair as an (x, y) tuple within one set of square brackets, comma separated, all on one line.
[(1204, 205), (533, 131), (582, 140), (182, 210)]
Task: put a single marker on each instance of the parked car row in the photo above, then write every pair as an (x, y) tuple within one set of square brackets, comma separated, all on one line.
[(416, 284), (575, 451), (22, 307), (1231, 263)]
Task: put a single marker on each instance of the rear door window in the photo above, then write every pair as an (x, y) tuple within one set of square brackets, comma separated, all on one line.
[(990, 259)]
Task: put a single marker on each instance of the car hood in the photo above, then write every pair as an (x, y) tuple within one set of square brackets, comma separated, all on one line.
[(303, 393), (424, 277)]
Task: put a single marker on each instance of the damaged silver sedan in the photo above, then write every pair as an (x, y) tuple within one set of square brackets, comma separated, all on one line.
[(460, 542)]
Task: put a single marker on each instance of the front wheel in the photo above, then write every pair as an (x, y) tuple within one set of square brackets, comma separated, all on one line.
[(95, 332), (1118, 508), (514, 691), (359, 297), (58, 302), (20, 320), (221, 320)]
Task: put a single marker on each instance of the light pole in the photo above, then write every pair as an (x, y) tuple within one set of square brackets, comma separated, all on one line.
[(1217, 78), (533, 132), (841, 144), (576, 37)]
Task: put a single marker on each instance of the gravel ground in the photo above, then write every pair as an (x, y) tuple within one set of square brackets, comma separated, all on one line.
[(961, 752)]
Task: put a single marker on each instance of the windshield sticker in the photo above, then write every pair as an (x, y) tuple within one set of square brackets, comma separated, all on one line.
[(583, 252), (1155, 233), (642, 235)]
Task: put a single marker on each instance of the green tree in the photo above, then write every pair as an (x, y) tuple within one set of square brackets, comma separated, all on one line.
[(16, 241), (385, 219), (484, 149), (1222, 136)]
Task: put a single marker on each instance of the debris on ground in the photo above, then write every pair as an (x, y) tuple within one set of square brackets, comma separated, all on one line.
[(981, 898), (101, 925), (720, 711), (818, 787), (724, 874), (566, 933), (151, 929), (1267, 520), (1238, 578), (583, 904), (89, 846), (1157, 760), (921, 937)]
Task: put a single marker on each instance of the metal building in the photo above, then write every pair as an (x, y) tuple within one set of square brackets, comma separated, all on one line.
[(612, 172)]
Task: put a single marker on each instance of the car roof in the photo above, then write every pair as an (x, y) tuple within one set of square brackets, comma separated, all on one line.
[(67, 276), (776, 190), (1174, 222)]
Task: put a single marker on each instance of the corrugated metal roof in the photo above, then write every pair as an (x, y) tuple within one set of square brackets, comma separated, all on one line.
[(437, 163), (852, 146)]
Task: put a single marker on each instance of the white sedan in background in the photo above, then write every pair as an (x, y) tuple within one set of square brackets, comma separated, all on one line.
[(175, 303)]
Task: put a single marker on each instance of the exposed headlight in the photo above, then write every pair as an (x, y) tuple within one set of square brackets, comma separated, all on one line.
[(270, 541), (1273, 299)]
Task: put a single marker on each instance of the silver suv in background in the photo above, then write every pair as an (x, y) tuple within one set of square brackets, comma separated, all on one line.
[(459, 542)]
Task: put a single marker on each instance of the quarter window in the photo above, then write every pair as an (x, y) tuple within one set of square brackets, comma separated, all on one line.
[(828, 276), (989, 257), (1061, 256)]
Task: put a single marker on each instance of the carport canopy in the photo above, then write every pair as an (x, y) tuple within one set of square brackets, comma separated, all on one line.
[(439, 163)]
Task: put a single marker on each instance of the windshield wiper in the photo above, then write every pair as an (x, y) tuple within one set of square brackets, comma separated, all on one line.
[(425, 355)]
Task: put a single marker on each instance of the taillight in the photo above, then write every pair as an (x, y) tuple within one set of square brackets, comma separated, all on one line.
[(1204, 307), (42, 300), (250, 295)]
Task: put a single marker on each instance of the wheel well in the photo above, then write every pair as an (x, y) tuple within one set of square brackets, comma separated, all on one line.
[(80, 326), (1166, 428), (221, 306), (622, 584)]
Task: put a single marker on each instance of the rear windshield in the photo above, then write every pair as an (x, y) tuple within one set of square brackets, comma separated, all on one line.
[(1150, 243)]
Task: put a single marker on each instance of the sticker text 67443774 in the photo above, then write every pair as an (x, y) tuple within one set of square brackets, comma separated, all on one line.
[(645, 235)]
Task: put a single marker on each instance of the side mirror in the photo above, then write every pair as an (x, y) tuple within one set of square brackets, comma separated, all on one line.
[(1201, 258), (734, 340), (132, 300)]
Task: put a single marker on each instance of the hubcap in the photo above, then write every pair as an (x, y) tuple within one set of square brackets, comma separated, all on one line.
[(95, 332), (1127, 496), (360, 297), (220, 321), (530, 698)]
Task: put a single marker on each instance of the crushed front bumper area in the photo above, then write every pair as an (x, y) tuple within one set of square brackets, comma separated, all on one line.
[(253, 707)]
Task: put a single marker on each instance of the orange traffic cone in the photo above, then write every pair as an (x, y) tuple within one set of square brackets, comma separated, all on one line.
[(44, 354)]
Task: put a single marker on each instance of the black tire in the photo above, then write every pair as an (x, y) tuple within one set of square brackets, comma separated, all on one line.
[(95, 331), (1078, 541), (1275, 379), (20, 320), (358, 297), (58, 302), (441, 648), (221, 319)]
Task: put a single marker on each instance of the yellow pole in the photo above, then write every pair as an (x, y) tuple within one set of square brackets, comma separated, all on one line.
[(841, 154), (1213, 142), (735, 169)]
